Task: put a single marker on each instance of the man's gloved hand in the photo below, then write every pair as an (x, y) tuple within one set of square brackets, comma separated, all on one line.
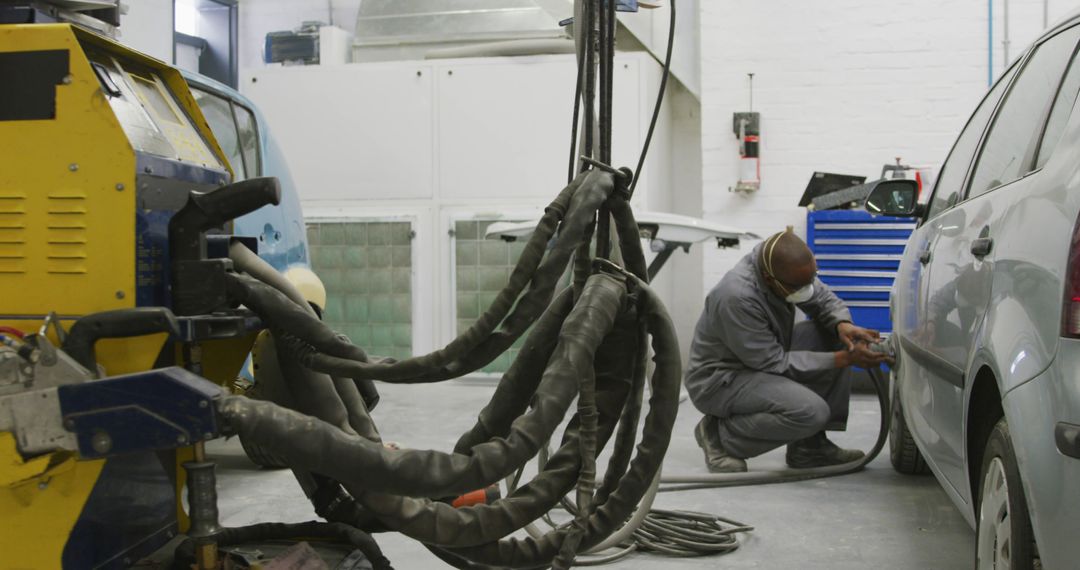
[(860, 356), (863, 357), (852, 335)]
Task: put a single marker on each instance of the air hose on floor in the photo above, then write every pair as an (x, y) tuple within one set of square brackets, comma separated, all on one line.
[(689, 533), (688, 482)]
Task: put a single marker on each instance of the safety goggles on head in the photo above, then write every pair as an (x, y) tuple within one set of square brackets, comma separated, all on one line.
[(793, 295)]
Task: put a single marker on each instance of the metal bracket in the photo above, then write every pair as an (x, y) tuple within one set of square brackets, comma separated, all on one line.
[(159, 409)]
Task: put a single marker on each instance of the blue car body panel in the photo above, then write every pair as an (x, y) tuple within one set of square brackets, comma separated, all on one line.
[(279, 229)]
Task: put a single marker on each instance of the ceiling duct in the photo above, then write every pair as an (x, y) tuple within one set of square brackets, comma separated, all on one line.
[(412, 22)]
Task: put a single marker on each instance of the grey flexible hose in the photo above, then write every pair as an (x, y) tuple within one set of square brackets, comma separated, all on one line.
[(688, 482), (682, 531), (626, 496), (248, 262)]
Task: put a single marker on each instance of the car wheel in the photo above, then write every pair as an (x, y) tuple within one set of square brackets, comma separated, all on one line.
[(1005, 540), (903, 453)]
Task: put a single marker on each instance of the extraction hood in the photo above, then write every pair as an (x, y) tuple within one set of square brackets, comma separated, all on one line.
[(405, 22)]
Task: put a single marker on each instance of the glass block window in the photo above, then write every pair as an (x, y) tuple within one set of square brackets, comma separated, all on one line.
[(367, 270), (482, 268)]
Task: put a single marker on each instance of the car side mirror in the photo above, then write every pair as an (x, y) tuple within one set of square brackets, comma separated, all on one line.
[(894, 197)]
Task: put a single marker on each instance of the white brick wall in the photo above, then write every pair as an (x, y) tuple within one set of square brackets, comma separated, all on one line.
[(842, 86)]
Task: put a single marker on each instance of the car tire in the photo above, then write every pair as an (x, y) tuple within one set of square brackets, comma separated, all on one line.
[(903, 453), (1004, 537)]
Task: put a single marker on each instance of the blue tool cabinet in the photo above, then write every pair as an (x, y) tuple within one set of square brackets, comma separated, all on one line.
[(858, 255)]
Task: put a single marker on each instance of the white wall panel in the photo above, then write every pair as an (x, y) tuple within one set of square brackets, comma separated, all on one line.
[(351, 132), (490, 139), (148, 27), (504, 126)]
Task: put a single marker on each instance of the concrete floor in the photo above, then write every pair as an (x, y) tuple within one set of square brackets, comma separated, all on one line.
[(874, 519)]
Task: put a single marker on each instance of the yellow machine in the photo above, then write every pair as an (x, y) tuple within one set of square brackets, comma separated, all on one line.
[(110, 180), (128, 303)]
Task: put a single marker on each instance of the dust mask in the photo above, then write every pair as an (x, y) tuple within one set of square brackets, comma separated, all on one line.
[(802, 295)]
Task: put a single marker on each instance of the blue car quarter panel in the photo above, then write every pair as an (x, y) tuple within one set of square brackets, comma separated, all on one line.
[(1051, 478)]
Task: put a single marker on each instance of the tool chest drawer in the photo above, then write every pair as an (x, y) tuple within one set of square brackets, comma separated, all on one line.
[(858, 255)]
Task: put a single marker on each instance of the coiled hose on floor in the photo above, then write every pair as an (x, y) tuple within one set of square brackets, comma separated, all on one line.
[(688, 533)]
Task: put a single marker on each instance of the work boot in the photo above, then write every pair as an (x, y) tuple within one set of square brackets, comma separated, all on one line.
[(818, 451), (716, 459)]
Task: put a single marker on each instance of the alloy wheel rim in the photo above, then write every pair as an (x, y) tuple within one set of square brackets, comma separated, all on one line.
[(995, 520)]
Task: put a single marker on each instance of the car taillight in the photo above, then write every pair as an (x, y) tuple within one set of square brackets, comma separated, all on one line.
[(1070, 310)]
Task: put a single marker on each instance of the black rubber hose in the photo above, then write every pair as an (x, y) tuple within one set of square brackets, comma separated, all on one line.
[(356, 409), (628, 424), (447, 523), (659, 99), (690, 482), (260, 297), (516, 388), (308, 444), (248, 262), (312, 393), (486, 523), (629, 238), (281, 314), (337, 532), (481, 343), (656, 434)]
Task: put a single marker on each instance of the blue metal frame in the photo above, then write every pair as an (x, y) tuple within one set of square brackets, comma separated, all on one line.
[(146, 411)]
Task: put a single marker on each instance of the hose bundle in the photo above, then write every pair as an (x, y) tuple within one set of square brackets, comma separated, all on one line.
[(589, 342)]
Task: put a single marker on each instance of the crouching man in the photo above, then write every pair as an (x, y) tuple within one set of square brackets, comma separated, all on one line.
[(762, 380)]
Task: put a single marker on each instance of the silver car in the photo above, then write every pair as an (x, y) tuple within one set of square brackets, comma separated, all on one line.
[(986, 314)]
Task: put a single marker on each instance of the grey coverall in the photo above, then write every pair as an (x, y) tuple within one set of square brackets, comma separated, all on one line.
[(767, 380)]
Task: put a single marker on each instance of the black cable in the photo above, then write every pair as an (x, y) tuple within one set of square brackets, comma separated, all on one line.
[(688, 533), (590, 76), (659, 100), (690, 482), (571, 170)]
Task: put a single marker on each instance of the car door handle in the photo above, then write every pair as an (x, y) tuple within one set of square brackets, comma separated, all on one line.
[(924, 257), (982, 246)]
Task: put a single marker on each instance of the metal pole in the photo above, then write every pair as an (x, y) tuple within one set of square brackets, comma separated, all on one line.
[(989, 42), (590, 76), (1005, 39)]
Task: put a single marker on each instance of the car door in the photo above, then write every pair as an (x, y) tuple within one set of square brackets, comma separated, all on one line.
[(958, 289), (910, 298)]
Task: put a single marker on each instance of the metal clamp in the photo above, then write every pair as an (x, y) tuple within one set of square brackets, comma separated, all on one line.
[(623, 176)]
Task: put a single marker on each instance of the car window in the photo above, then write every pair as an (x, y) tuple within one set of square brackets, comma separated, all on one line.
[(951, 179), (249, 139), (218, 113), (1059, 114), (1010, 144)]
